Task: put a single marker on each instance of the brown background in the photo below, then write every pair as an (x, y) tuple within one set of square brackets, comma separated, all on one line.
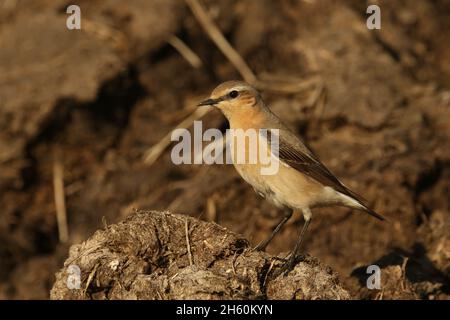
[(99, 97)]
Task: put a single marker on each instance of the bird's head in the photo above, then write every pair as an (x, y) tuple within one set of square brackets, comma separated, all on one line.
[(233, 98)]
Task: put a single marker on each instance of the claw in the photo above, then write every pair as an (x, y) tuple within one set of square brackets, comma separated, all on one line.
[(289, 265)]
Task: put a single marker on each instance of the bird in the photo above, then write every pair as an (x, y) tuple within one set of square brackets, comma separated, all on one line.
[(301, 183)]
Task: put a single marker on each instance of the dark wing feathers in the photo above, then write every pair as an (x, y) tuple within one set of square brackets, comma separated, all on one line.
[(311, 166), (307, 163)]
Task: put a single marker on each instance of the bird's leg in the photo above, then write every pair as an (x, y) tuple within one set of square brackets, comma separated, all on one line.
[(263, 244), (289, 265)]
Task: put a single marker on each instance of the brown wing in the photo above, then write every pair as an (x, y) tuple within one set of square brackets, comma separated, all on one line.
[(307, 163)]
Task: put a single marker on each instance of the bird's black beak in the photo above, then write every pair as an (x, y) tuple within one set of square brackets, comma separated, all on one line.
[(209, 102)]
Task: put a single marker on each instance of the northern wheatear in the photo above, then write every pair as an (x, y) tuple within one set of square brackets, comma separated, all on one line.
[(302, 182)]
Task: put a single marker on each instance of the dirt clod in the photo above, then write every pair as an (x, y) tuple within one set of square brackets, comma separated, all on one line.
[(146, 257)]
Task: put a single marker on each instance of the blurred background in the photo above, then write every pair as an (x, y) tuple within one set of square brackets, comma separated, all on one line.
[(81, 112)]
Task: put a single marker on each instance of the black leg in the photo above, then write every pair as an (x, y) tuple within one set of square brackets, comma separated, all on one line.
[(262, 245), (289, 265)]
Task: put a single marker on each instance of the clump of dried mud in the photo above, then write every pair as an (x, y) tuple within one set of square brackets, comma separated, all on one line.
[(159, 255)]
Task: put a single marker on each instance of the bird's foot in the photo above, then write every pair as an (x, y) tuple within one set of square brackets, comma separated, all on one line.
[(289, 264)]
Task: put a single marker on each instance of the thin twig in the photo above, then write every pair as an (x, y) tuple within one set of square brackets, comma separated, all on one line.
[(90, 278), (272, 263), (152, 154), (211, 212), (233, 262), (236, 59), (60, 202), (216, 35), (185, 51), (105, 224), (405, 262), (186, 230)]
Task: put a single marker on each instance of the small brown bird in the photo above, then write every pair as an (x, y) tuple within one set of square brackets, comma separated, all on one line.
[(301, 183)]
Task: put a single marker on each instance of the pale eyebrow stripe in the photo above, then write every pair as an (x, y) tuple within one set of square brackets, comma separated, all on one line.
[(238, 89)]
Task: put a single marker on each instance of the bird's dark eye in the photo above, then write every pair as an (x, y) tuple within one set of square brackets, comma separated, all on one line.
[(233, 94)]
